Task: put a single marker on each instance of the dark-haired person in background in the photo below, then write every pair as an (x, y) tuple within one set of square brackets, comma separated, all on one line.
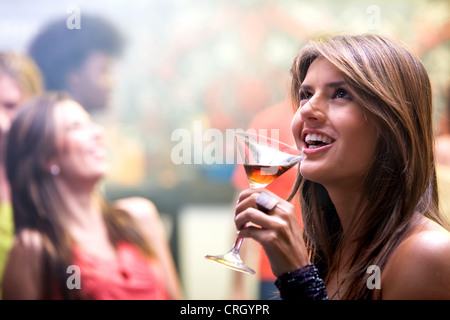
[(78, 61)]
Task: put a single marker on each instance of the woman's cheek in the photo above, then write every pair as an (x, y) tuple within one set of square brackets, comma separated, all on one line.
[(296, 128)]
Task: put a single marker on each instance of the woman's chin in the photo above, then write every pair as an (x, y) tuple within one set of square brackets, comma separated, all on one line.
[(311, 172)]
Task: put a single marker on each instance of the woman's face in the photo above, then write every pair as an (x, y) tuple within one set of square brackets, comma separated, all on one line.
[(81, 152), (11, 98), (331, 129)]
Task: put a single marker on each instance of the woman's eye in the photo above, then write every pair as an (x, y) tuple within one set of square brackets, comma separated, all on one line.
[(10, 106), (305, 95), (341, 94)]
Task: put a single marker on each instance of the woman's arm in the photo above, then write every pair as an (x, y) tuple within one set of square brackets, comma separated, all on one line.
[(148, 219), (23, 275)]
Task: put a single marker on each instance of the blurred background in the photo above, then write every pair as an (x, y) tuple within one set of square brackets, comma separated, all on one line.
[(213, 64)]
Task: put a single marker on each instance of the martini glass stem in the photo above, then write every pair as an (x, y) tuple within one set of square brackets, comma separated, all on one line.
[(238, 243)]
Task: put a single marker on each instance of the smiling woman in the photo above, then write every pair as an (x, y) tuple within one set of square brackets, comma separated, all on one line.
[(81, 151), (56, 158), (368, 184)]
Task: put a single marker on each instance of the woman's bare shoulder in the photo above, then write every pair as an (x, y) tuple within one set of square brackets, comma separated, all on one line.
[(420, 266), (141, 209), (147, 217)]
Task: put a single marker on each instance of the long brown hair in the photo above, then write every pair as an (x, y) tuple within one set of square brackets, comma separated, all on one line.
[(37, 203), (392, 86)]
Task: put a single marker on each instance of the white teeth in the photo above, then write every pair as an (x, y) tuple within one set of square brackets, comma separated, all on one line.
[(314, 137)]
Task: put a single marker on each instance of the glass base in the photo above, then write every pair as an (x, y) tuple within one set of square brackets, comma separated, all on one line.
[(231, 260)]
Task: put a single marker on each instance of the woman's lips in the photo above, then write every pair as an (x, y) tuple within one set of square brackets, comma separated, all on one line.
[(312, 150), (98, 152), (315, 141)]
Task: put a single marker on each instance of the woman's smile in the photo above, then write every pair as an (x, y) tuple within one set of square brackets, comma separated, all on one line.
[(315, 141)]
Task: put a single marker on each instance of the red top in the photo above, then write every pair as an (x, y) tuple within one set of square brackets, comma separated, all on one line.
[(130, 276)]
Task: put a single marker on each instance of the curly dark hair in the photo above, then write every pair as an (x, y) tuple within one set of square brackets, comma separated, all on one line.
[(58, 50)]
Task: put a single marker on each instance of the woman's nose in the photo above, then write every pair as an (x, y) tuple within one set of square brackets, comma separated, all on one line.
[(313, 109), (98, 131)]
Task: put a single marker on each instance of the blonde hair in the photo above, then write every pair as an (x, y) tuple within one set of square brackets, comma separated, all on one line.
[(393, 88), (24, 71)]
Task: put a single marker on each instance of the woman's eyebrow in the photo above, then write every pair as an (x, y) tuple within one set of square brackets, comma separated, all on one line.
[(334, 84)]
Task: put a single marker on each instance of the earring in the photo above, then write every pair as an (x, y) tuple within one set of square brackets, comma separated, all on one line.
[(54, 169)]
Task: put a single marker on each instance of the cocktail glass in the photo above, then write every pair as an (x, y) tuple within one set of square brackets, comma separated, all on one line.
[(264, 160)]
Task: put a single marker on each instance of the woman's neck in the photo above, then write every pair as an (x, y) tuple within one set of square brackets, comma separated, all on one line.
[(83, 210), (84, 221), (347, 201)]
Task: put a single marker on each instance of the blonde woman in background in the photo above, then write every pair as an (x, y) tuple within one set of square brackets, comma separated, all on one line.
[(20, 79)]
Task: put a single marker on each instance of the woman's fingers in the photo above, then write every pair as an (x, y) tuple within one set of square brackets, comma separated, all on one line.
[(279, 235), (248, 209), (277, 231), (247, 193), (254, 216), (250, 198), (256, 233)]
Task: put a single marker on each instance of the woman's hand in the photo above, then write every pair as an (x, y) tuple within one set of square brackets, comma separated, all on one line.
[(277, 231)]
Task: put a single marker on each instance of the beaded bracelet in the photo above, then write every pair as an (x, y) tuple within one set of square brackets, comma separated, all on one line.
[(302, 284)]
